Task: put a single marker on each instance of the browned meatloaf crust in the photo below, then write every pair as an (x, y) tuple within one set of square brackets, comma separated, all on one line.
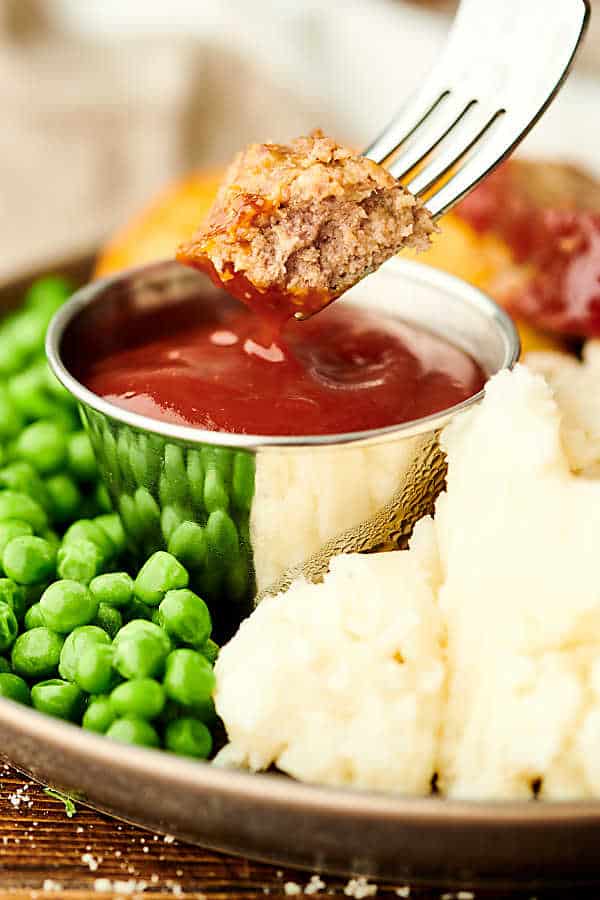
[(294, 226)]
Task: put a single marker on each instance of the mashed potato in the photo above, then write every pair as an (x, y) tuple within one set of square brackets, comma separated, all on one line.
[(518, 537), (342, 682), (576, 387), (475, 654)]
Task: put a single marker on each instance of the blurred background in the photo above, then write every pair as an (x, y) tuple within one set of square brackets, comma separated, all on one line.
[(104, 101)]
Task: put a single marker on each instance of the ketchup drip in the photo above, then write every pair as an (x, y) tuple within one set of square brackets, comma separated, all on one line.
[(344, 370)]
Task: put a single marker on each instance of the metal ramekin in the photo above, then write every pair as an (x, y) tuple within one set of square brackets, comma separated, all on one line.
[(291, 502)]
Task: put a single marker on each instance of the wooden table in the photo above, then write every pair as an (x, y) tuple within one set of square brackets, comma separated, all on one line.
[(43, 853)]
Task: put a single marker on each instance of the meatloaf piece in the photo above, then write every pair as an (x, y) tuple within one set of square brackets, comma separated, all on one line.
[(294, 226)]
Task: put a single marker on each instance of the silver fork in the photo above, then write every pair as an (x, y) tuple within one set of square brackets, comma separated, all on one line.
[(502, 65)]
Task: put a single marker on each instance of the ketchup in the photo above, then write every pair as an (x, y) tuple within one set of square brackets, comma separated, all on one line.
[(560, 245), (344, 370)]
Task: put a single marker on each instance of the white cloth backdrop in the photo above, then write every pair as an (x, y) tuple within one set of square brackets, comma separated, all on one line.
[(104, 100)]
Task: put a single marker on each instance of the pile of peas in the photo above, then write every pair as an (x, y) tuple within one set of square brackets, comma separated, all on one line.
[(126, 654)]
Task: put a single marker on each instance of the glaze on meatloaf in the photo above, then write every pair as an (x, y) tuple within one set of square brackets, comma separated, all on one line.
[(294, 226)]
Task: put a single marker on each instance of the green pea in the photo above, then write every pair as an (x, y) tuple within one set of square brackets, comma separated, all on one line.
[(132, 521), (188, 737), (90, 530), (99, 715), (242, 482), (188, 544), (185, 617), (140, 656), (56, 389), (189, 678), (4, 665), (11, 419), (51, 536), (66, 605), (103, 501), (218, 459), (12, 528), (9, 627), (17, 505), (81, 459), (144, 627), (159, 574), (210, 650), (135, 609), (48, 293), (35, 653), (133, 731), (94, 670), (27, 391), (171, 518), (28, 329), (29, 560), (222, 535), (137, 462), (33, 617), (195, 477), (109, 618), (142, 698), (66, 419), (108, 449), (43, 445), (13, 594), (172, 491), (79, 561), (75, 645), (14, 688), (12, 358), (216, 496), (58, 698), (205, 712), (21, 476), (148, 508), (65, 497), (112, 526), (125, 440), (114, 588)]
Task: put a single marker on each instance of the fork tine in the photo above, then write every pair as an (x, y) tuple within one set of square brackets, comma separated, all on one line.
[(506, 55), (476, 129), (508, 58), (409, 119), (475, 168), (428, 136)]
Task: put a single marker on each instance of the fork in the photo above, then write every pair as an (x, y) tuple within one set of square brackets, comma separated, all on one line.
[(502, 65)]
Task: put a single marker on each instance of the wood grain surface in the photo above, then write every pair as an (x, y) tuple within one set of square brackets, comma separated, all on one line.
[(44, 853)]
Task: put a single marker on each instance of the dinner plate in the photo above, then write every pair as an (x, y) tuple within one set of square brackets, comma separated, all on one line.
[(273, 818)]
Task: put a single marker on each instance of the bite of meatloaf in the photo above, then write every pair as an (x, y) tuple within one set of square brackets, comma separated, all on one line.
[(294, 226)]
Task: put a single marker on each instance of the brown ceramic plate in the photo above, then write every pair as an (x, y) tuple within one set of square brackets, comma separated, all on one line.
[(273, 818)]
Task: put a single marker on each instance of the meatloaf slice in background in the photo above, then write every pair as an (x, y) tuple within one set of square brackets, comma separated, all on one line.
[(294, 226)]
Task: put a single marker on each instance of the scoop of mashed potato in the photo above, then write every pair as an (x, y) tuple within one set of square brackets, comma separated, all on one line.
[(576, 387), (341, 682), (518, 538), (474, 655)]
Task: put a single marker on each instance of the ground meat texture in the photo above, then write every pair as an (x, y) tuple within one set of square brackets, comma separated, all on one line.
[(294, 226)]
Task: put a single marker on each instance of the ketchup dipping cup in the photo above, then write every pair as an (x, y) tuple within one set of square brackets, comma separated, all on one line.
[(272, 507)]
